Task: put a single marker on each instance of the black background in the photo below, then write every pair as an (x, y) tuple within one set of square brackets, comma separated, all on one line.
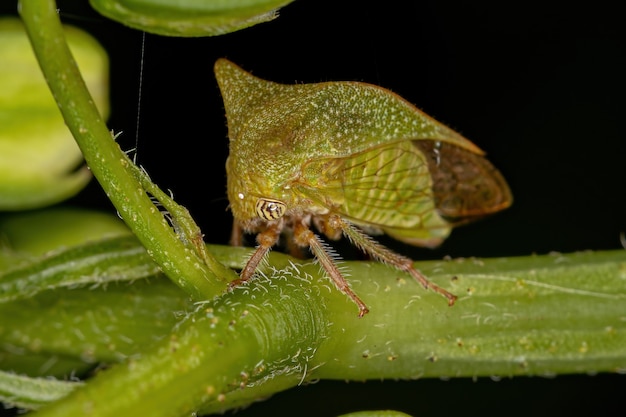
[(538, 85)]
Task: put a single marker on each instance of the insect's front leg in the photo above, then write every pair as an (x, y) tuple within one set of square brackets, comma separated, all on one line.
[(265, 239), (305, 237)]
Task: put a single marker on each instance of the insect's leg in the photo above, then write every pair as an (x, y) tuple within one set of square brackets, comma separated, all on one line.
[(293, 248), (386, 255), (305, 237), (236, 234), (266, 239)]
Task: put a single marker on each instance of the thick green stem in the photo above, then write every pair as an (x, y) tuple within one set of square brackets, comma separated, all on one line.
[(107, 162), (539, 315), (247, 338)]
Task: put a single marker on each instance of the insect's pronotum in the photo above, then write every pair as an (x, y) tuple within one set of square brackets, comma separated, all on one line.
[(347, 158)]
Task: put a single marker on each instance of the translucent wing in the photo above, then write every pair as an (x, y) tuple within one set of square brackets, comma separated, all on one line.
[(415, 191), (388, 188)]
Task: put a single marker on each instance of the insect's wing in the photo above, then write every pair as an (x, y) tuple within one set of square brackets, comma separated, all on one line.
[(415, 191), (387, 187), (466, 185)]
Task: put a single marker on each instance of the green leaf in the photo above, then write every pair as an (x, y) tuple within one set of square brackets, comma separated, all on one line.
[(31, 393), (189, 17), (38, 156), (34, 233), (116, 259)]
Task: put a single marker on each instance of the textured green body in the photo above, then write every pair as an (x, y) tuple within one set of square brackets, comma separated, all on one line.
[(344, 148)]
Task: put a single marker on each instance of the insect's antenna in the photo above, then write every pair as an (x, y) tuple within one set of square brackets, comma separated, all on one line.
[(139, 91)]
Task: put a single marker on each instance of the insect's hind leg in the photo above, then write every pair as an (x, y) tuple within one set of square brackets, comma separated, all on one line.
[(386, 255), (236, 235)]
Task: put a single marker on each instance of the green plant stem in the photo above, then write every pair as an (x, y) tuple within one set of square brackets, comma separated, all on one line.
[(108, 163), (536, 315), (220, 348)]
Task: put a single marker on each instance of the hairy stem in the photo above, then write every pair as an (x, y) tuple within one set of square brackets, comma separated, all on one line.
[(109, 164), (537, 315)]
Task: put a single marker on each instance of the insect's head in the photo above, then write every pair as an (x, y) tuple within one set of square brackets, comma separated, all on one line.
[(252, 196), (249, 207)]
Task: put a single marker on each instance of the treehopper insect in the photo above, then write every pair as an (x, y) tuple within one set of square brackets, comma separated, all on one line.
[(350, 159)]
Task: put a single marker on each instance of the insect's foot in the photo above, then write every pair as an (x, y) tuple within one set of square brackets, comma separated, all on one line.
[(235, 283), (363, 310), (433, 287), (451, 298)]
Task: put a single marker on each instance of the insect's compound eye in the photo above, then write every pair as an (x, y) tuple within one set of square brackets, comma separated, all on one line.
[(270, 209)]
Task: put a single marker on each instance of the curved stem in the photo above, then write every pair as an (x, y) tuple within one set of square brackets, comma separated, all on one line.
[(119, 179)]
